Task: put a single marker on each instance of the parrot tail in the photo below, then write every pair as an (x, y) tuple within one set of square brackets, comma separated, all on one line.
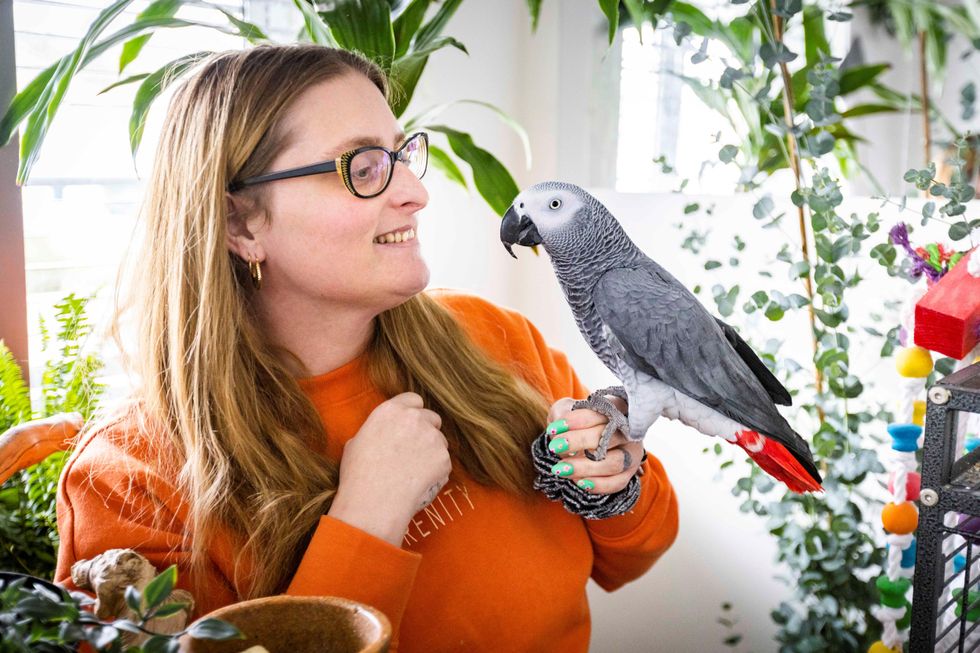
[(777, 460)]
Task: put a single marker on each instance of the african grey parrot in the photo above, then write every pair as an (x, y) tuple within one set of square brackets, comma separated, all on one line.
[(672, 356)]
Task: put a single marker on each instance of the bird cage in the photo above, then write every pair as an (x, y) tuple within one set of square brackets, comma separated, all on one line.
[(946, 589)]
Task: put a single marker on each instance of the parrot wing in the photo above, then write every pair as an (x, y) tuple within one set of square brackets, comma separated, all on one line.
[(777, 391), (667, 333)]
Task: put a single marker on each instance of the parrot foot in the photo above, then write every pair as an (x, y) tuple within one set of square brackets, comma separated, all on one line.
[(613, 391), (617, 421)]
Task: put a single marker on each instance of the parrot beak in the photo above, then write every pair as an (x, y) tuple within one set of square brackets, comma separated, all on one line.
[(518, 230)]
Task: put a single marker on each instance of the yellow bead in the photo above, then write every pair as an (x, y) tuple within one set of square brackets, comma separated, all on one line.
[(919, 413), (879, 647), (913, 362)]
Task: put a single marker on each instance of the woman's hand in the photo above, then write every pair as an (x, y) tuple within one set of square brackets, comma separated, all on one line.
[(393, 467), (579, 430)]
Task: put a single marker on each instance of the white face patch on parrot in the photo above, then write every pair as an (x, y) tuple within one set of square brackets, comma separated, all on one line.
[(551, 210)]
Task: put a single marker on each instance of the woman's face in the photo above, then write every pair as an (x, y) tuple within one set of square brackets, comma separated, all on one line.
[(319, 245)]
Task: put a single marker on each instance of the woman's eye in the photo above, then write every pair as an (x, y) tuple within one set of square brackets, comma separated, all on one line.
[(555, 204), (362, 173)]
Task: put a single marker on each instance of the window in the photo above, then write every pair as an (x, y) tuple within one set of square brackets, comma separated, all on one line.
[(662, 121), (81, 201)]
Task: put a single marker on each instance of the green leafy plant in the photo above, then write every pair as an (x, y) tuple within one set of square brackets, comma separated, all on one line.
[(28, 523), (828, 543), (757, 87), (37, 618)]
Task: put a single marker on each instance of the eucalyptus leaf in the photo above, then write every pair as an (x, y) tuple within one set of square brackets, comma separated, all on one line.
[(215, 629), (727, 153)]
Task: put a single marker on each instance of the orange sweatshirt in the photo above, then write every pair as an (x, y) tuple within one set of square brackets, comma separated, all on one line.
[(477, 570)]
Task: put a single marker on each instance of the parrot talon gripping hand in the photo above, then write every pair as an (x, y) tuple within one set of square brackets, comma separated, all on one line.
[(617, 421), (671, 355)]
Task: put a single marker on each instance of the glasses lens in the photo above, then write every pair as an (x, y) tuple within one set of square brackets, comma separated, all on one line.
[(369, 171), (416, 155)]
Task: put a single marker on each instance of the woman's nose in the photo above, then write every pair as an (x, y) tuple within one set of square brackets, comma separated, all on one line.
[(406, 189)]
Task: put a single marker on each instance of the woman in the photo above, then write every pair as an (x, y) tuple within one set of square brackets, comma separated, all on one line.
[(309, 420)]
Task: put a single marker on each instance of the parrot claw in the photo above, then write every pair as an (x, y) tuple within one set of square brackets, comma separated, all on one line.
[(617, 421)]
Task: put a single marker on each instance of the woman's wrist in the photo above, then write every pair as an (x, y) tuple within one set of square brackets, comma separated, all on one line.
[(382, 524)]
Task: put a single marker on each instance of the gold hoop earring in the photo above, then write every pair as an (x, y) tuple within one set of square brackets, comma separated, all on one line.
[(255, 270)]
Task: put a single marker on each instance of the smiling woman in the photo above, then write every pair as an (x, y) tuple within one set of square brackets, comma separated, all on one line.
[(310, 419)]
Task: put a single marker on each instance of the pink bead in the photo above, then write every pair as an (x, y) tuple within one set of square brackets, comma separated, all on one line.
[(912, 485)]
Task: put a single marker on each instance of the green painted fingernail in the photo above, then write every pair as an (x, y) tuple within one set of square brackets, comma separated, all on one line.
[(562, 469), (586, 484), (556, 427), (558, 445)]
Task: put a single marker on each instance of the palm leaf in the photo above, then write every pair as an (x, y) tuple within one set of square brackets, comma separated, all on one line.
[(158, 8), (249, 31), (363, 26), (35, 99), (424, 119), (123, 82), (406, 71), (51, 97), (442, 160), (490, 177), (151, 87), (315, 29), (611, 9), (407, 24), (432, 29), (534, 6)]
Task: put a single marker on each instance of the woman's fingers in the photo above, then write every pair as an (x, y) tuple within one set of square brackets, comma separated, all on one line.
[(574, 442), (621, 461), (605, 484)]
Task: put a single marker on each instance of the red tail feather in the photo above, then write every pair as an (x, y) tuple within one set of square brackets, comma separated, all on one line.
[(775, 459)]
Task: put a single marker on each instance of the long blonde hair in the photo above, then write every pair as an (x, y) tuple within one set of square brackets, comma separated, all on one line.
[(217, 394)]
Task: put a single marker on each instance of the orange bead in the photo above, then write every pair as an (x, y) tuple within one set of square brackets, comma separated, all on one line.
[(901, 518)]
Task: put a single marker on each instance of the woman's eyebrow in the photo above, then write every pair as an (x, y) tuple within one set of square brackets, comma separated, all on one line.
[(361, 141)]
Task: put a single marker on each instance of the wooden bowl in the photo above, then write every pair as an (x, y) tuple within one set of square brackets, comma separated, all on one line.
[(299, 624)]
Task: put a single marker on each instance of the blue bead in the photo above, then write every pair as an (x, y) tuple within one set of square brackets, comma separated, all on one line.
[(908, 556), (905, 436), (959, 562), (971, 444)]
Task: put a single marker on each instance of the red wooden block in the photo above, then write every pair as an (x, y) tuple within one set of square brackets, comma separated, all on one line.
[(947, 318)]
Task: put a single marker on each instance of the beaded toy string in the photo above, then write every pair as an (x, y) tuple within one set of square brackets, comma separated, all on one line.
[(900, 517)]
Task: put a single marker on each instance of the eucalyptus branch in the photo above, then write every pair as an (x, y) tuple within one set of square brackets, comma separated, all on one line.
[(777, 23)]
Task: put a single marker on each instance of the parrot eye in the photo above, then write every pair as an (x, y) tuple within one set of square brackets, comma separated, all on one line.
[(555, 204)]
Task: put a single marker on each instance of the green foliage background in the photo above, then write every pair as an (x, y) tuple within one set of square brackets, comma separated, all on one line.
[(28, 522)]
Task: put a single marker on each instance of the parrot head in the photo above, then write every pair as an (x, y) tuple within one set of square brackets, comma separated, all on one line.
[(559, 216)]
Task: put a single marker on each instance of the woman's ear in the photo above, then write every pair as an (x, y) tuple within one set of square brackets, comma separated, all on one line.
[(239, 229)]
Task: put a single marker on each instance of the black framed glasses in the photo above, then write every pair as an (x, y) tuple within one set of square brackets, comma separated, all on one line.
[(366, 171)]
